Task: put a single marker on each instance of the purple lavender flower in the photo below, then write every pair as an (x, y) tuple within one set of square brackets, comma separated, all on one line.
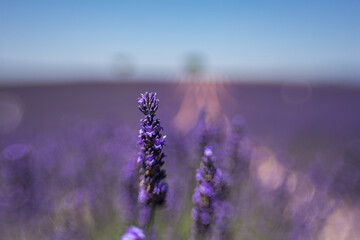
[(205, 195), (133, 233), (152, 188)]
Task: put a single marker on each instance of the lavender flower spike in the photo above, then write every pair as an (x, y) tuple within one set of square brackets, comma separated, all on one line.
[(133, 233), (205, 196), (152, 188)]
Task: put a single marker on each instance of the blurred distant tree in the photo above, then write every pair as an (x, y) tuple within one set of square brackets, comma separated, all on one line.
[(123, 65), (194, 64)]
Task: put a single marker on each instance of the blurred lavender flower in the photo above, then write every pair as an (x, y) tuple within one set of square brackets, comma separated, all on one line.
[(122, 152), (205, 196), (235, 165), (73, 218), (152, 188), (223, 208), (202, 132), (133, 233), (178, 167), (16, 182), (208, 131), (237, 154), (129, 192)]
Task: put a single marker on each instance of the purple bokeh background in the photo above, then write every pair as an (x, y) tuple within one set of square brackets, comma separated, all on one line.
[(302, 178)]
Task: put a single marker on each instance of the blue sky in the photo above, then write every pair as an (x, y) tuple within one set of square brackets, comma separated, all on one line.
[(272, 38)]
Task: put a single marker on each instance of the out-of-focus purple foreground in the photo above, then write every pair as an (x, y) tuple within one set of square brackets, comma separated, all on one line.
[(68, 159)]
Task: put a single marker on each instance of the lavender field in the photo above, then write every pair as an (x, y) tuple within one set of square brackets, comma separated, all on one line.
[(242, 161)]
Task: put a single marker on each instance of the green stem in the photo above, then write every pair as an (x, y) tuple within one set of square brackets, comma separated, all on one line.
[(151, 221)]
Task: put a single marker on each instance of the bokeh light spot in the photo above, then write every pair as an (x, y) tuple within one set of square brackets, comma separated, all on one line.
[(269, 171), (11, 113)]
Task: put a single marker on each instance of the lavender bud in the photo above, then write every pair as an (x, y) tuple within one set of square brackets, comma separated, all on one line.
[(152, 188), (148, 103), (133, 233)]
